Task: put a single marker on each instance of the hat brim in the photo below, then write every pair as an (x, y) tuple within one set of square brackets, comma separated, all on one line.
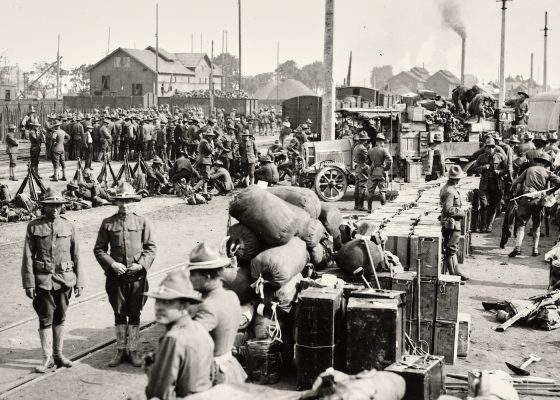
[(53, 201), (214, 264), (131, 198), (543, 160), (173, 296), (459, 176)]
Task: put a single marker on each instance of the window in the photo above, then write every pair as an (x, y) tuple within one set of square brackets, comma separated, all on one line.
[(137, 89), (188, 79), (105, 82), (126, 62), (7, 96), (117, 62)]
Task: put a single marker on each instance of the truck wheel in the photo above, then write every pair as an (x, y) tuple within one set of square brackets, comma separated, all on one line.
[(331, 184)]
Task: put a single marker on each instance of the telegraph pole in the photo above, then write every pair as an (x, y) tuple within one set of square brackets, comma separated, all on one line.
[(157, 54), (328, 96), (502, 97), (211, 86), (58, 68), (192, 42), (239, 9), (109, 40), (277, 80), (545, 51), (226, 65), (531, 81)]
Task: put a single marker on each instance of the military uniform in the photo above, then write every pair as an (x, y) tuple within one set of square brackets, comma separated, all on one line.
[(116, 137), (267, 172), (60, 138), (380, 161), (36, 138), (204, 159), (105, 140), (526, 146), (438, 165), (451, 217), (222, 180), (77, 138), (12, 151), (249, 153), (161, 142), (360, 155), (181, 169)]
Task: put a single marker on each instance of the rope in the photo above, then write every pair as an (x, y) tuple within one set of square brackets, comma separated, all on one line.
[(275, 333), (259, 286)]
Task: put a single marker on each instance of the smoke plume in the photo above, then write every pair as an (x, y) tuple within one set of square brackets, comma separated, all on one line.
[(451, 14)]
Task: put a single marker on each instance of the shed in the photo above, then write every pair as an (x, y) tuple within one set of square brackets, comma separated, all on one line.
[(544, 109), (286, 90)]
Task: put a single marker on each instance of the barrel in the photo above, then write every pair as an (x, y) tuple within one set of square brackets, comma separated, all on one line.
[(264, 361)]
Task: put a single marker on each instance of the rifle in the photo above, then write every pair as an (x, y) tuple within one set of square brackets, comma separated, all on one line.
[(538, 302), (534, 194)]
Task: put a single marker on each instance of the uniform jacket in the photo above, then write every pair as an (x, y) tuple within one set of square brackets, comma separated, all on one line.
[(482, 150), (36, 138), (77, 131), (451, 211), (105, 136), (227, 142), (268, 172), (183, 361), (51, 256), (147, 132), (130, 239), (508, 151), (360, 154), (497, 162), (161, 139), (59, 139), (192, 135), (552, 149), (178, 133), (205, 151), (438, 165), (223, 175), (11, 143), (536, 178), (249, 151), (180, 164), (116, 133), (169, 134), (532, 154), (380, 161), (525, 146), (294, 147), (220, 313)]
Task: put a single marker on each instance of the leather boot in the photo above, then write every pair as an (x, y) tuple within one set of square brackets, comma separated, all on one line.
[(518, 241), (536, 237), (464, 278), (383, 198), (12, 174), (369, 203), (54, 178), (474, 220), (356, 199), (361, 200), (132, 345), (491, 217), (483, 219), (63, 175), (120, 355), (46, 336), (58, 339)]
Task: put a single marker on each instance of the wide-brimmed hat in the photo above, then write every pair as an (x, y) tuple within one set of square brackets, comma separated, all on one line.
[(455, 172), (490, 142), (12, 127), (176, 285), (540, 137), (53, 196), (208, 132), (125, 191), (496, 135), (90, 127), (362, 136), (55, 124), (304, 126), (545, 158), (157, 160), (218, 162), (514, 139), (265, 159), (523, 94), (380, 136), (207, 256), (527, 136)]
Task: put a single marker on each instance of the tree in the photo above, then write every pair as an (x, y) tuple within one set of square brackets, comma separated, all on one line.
[(313, 76), (251, 84), (79, 79), (229, 65), (380, 75), (287, 70), (45, 83)]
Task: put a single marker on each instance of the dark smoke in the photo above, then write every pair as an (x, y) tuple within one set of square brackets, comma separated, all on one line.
[(451, 14)]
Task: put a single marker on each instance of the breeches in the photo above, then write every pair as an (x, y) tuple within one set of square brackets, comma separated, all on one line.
[(450, 241), (51, 306), (127, 299), (529, 209)]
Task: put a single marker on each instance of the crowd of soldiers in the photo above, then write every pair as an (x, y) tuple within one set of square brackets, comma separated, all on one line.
[(200, 316)]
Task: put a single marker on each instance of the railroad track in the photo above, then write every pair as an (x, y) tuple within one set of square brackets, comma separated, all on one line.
[(82, 355)]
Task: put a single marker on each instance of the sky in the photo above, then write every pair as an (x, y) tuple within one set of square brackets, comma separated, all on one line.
[(403, 33)]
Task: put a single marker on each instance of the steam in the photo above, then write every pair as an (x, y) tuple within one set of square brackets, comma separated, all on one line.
[(451, 14)]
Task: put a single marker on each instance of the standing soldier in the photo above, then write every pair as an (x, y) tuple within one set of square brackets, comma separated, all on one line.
[(380, 162), (249, 154), (48, 136), (438, 159), (552, 146), (96, 137), (116, 136), (161, 140), (527, 143), (492, 167), (360, 157), (540, 146), (520, 107), (36, 138), (77, 137), (88, 146), (105, 139), (219, 312), (127, 138), (30, 118), (12, 150), (170, 138), (132, 251), (451, 216), (534, 179), (50, 269), (204, 160), (60, 139)]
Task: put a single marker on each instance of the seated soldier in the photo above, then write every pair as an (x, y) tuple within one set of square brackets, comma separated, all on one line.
[(267, 171), (182, 168), (91, 190), (275, 151), (155, 176), (220, 178)]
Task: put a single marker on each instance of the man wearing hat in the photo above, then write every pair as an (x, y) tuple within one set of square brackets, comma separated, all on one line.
[(77, 138), (50, 269), (380, 161), (267, 171), (438, 158), (88, 145), (12, 150), (182, 168), (521, 108), (60, 139), (125, 249), (527, 143), (116, 136), (361, 172), (552, 146), (536, 178), (219, 312), (30, 118), (105, 139), (147, 130), (220, 178), (204, 159), (249, 153), (36, 138), (170, 139), (451, 216), (161, 139), (508, 152), (540, 146), (155, 176), (182, 365), (226, 143), (492, 167)]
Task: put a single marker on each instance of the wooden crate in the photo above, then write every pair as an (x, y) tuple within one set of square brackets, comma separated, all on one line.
[(318, 325), (426, 333), (428, 296), (426, 245), (416, 114), (409, 144), (405, 282), (373, 334), (398, 244), (446, 335), (421, 127), (424, 380), (414, 172), (464, 336), (447, 303)]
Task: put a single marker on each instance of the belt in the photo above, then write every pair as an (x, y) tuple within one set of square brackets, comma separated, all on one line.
[(49, 268)]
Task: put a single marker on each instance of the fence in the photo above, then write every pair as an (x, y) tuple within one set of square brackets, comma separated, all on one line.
[(88, 104), (12, 112), (241, 106)]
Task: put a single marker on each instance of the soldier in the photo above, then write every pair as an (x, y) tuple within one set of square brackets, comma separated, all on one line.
[(127, 138), (161, 140), (275, 150), (527, 143), (534, 179), (48, 136), (12, 150), (105, 140), (438, 159), (88, 146), (521, 108), (36, 138), (249, 154), (540, 149), (508, 152), (147, 132), (60, 139), (181, 169), (183, 362), (219, 312), (492, 167), (227, 142), (96, 137), (132, 251), (116, 137), (360, 157), (380, 161), (267, 172), (170, 138), (155, 176), (552, 146), (30, 118), (451, 216), (204, 159), (462, 96), (220, 178), (178, 135), (77, 138), (50, 269)]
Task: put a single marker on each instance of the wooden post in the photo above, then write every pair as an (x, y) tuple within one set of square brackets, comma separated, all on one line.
[(157, 58), (502, 97), (239, 9), (531, 81), (328, 96), (58, 68), (545, 88), (211, 84)]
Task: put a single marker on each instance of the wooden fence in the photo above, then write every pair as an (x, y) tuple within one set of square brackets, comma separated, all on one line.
[(241, 106), (12, 112), (88, 104)]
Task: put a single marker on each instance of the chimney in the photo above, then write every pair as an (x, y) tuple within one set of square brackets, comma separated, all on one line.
[(463, 40)]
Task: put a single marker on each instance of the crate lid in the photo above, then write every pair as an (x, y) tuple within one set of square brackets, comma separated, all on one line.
[(372, 304)]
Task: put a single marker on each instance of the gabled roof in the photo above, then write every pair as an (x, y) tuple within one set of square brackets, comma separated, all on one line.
[(421, 72), (410, 75), (447, 75)]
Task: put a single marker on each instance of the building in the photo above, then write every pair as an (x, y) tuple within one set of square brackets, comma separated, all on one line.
[(442, 82), (8, 91), (409, 81), (132, 72)]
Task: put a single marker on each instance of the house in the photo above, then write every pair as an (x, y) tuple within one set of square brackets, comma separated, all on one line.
[(132, 72), (442, 82), (410, 81), (8, 91)]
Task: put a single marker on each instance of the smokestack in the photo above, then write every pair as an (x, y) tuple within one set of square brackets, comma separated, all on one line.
[(463, 41)]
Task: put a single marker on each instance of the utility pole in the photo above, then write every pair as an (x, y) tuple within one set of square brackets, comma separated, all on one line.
[(328, 96), (277, 80), (531, 80), (211, 86), (226, 65), (239, 9), (58, 68), (109, 40), (192, 42), (502, 97), (545, 88), (349, 76), (201, 42), (157, 55), (223, 57)]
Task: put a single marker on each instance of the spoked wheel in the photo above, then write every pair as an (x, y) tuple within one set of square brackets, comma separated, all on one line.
[(331, 184)]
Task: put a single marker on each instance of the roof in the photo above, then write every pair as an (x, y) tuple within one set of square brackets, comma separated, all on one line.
[(410, 75), (546, 96), (286, 90), (421, 72), (447, 75)]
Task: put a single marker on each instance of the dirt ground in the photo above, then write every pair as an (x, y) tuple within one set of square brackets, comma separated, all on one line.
[(178, 228)]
